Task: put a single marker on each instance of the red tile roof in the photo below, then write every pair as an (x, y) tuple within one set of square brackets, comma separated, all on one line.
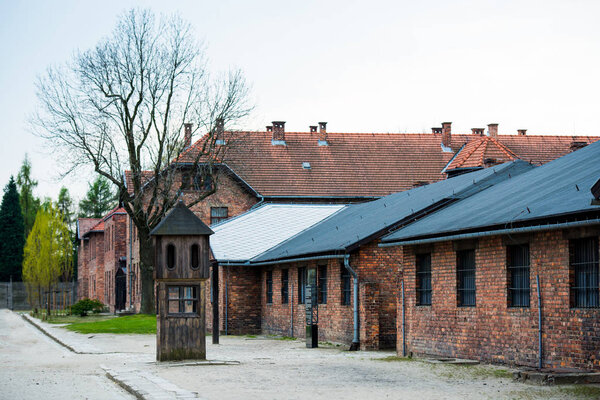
[(116, 210), (366, 164), (476, 152), (84, 225)]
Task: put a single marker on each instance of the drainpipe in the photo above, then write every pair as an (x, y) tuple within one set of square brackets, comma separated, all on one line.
[(403, 324), (130, 264), (356, 340), (539, 296), (226, 302), (292, 311), (262, 200)]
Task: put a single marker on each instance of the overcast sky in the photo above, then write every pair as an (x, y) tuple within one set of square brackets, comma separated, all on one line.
[(362, 66)]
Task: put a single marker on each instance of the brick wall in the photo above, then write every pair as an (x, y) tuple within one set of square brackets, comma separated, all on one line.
[(491, 331), (115, 247)]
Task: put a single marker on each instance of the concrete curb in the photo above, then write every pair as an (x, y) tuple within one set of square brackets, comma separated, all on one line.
[(557, 378), (48, 334)]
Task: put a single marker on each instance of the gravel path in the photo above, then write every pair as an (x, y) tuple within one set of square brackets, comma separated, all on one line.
[(33, 366)]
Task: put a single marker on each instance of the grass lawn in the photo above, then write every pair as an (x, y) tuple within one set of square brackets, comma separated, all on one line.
[(72, 319), (140, 323)]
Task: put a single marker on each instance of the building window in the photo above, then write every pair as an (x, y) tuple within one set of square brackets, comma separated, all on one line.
[(182, 300), (269, 287), (583, 257), (218, 214), (322, 289), (194, 256), (301, 285), (423, 267), (284, 286), (170, 256), (517, 262), (465, 271), (346, 287)]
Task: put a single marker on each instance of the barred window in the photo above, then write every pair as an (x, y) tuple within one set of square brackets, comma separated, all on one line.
[(583, 257), (301, 285), (423, 267), (346, 287), (182, 299), (322, 290), (465, 271), (269, 287), (218, 214), (284, 286), (517, 262)]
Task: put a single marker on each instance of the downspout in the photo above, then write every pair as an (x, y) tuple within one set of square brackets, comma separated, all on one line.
[(292, 311), (356, 340), (262, 200), (403, 324), (226, 302), (130, 263), (539, 296)]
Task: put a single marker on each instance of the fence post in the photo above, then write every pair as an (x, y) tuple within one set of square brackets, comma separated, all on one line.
[(9, 295)]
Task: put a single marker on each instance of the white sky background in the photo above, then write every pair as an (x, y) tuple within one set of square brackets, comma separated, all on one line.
[(362, 66)]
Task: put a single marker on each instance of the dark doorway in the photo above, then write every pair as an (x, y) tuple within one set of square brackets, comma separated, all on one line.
[(120, 289)]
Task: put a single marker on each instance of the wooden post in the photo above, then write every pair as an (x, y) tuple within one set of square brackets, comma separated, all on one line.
[(215, 302)]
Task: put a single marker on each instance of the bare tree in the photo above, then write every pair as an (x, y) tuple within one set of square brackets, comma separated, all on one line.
[(121, 106)]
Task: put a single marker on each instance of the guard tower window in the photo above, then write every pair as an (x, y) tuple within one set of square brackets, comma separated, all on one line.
[(269, 287), (465, 271), (583, 257), (218, 214), (170, 256), (423, 264), (183, 300), (284, 286), (194, 256), (322, 290), (517, 264)]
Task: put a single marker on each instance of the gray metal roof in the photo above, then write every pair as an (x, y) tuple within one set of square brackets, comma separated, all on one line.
[(181, 221), (360, 222), (556, 189), (252, 233)]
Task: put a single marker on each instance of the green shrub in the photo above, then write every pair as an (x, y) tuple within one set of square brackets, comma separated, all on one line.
[(83, 307)]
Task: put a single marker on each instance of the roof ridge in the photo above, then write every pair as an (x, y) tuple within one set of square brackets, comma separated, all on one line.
[(505, 149)]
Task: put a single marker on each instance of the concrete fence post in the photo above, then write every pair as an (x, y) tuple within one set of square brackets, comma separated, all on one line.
[(9, 297)]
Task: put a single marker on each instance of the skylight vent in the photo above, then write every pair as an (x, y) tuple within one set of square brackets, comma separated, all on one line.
[(305, 165)]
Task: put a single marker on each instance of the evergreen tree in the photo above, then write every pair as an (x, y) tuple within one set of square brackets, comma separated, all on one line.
[(12, 239), (65, 205), (29, 204), (99, 199)]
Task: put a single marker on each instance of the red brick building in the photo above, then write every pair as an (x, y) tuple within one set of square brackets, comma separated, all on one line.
[(471, 271)]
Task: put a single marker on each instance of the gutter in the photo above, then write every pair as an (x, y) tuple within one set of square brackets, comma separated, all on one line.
[(290, 260), (356, 339), (535, 228)]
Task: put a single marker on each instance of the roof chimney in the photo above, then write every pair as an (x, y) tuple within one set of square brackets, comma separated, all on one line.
[(322, 131), (187, 135), (279, 131), (522, 132), (436, 130), (269, 128), (446, 134), (493, 130), (220, 131), (313, 129), (477, 131)]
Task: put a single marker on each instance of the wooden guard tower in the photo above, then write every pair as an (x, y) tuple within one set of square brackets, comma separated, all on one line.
[(181, 266)]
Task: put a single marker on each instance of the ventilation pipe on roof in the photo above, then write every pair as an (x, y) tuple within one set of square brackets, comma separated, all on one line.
[(269, 128), (493, 130), (477, 131), (522, 132), (436, 130), (187, 135), (313, 129), (356, 339), (446, 134)]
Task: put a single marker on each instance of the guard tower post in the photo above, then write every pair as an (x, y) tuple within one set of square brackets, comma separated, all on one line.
[(181, 268)]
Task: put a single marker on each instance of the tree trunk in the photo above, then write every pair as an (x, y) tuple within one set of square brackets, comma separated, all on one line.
[(147, 273)]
